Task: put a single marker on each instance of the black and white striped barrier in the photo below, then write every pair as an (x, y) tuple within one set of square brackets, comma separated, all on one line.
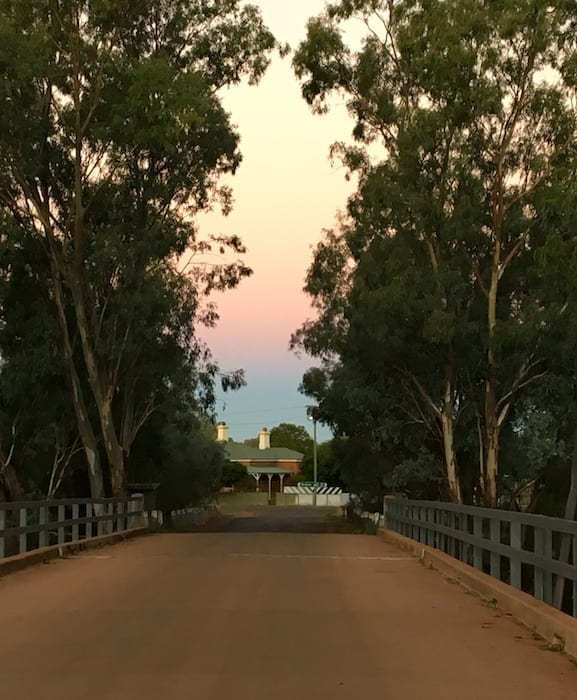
[(321, 490)]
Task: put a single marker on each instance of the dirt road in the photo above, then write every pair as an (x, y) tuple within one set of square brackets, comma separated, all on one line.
[(279, 519), (261, 616)]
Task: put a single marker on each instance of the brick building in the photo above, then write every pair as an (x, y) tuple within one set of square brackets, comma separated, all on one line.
[(274, 463)]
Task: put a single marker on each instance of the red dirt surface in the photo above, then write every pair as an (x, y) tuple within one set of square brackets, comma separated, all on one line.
[(261, 616)]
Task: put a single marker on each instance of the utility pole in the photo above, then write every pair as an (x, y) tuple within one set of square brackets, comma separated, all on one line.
[(312, 417)]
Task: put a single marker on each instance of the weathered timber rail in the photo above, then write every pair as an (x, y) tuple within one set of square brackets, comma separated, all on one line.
[(520, 549)]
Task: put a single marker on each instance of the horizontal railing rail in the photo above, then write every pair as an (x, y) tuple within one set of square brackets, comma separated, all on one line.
[(30, 525), (183, 517), (533, 553)]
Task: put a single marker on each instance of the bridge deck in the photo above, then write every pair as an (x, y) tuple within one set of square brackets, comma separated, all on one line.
[(261, 615)]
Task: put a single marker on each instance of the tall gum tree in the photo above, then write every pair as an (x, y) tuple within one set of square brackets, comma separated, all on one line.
[(471, 108), (557, 263), (116, 101)]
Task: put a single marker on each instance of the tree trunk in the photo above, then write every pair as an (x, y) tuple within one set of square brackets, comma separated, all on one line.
[(10, 490), (114, 452), (491, 440), (87, 436), (491, 468), (98, 376), (492, 428), (448, 426), (103, 393), (127, 424), (570, 514), (451, 462), (84, 424), (10, 483)]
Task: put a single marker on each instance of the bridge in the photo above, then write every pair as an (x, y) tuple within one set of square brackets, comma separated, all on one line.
[(269, 603)]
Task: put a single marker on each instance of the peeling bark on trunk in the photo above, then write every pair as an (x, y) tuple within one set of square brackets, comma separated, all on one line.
[(114, 452), (491, 436), (103, 392), (491, 469), (84, 424), (10, 483), (445, 422), (492, 427), (88, 438), (448, 427), (451, 462)]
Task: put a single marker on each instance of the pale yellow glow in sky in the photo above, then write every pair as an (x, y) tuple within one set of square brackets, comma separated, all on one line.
[(286, 192)]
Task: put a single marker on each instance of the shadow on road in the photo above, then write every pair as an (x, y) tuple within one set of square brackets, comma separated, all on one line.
[(280, 519)]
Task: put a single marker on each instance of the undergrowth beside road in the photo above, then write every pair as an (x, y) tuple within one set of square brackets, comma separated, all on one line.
[(352, 524)]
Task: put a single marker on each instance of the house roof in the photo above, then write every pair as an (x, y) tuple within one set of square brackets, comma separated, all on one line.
[(267, 469), (237, 451)]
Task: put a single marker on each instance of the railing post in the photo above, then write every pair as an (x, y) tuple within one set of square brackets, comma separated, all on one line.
[(139, 517), (23, 538), (575, 579), (495, 530), (75, 516), (547, 575), (61, 528), (42, 523), (469, 547), (538, 572), (514, 557), (110, 520), (459, 550), (2, 528), (119, 514), (451, 524), (421, 519), (385, 514), (478, 550), (423, 514), (88, 525), (100, 525), (464, 528), (442, 535)]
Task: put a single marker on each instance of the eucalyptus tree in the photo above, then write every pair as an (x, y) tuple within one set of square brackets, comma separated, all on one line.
[(112, 139), (463, 125)]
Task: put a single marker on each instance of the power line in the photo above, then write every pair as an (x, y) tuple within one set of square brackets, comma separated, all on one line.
[(260, 422), (265, 410)]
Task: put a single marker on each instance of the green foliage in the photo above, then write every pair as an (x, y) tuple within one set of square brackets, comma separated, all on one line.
[(175, 453), (112, 139), (442, 293), (293, 437), (329, 465), (233, 474)]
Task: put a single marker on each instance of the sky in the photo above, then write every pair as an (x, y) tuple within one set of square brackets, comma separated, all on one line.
[(286, 192)]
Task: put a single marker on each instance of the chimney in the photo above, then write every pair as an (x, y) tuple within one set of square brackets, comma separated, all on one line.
[(222, 432), (264, 439)]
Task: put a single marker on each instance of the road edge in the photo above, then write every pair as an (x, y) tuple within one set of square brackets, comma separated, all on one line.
[(557, 628), (18, 562)]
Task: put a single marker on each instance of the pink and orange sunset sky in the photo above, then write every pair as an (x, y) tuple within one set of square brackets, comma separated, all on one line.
[(286, 191)]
